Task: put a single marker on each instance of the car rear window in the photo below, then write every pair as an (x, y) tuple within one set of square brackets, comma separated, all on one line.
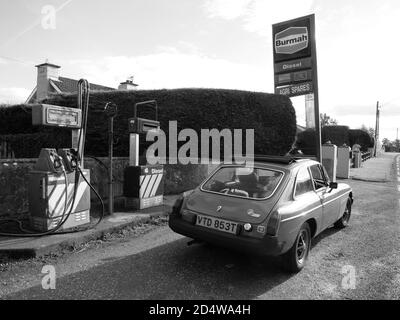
[(245, 182)]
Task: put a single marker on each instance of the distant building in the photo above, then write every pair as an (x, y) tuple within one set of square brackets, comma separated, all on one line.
[(50, 82), (128, 85)]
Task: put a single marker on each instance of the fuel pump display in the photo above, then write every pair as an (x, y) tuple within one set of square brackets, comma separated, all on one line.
[(49, 115)]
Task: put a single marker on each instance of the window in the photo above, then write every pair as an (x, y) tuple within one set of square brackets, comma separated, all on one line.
[(244, 182), (303, 182), (318, 177)]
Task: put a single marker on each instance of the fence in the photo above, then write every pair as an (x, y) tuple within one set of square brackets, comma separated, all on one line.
[(365, 156)]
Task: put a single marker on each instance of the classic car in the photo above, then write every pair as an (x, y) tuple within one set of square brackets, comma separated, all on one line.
[(273, 208)]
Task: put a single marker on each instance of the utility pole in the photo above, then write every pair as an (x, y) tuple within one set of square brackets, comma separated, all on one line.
[(377, 128)]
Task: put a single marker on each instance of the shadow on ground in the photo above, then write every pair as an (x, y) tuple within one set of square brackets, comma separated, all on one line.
[(171, 271)]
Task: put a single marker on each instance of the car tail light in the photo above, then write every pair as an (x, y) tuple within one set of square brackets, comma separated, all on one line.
[(188, 216), (273, 223)]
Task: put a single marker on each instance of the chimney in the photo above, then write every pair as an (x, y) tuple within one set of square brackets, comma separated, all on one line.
[(45, 72), (128, 85)]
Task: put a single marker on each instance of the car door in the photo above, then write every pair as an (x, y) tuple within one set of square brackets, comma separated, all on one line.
[(305, 196), (330, 209)]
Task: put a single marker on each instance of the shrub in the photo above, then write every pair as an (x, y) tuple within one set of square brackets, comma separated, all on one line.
[(362, 138), (338, 135), (28, 145), (271, 116)]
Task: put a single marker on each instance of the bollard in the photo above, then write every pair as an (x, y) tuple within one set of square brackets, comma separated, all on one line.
[(357, 159)]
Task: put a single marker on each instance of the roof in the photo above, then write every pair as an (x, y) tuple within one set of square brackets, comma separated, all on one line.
[(68, 85), (48, 64)]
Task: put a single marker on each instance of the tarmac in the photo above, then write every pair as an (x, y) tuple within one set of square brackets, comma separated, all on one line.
[(53, 244), (378, 169)]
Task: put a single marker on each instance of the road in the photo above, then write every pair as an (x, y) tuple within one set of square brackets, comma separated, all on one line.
[(160, 265)]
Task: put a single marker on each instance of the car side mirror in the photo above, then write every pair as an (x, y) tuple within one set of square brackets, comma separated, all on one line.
[(333, 185)]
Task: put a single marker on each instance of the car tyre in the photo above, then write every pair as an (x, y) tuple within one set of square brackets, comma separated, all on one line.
[(343, 222), (295, 259)]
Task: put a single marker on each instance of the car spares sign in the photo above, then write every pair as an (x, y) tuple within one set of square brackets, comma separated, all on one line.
[(295, 90)]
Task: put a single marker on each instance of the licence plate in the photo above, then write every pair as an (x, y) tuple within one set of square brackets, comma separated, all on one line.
[(217, 224)]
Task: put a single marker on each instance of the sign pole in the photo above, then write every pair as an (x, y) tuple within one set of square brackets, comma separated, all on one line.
[(316, 95)]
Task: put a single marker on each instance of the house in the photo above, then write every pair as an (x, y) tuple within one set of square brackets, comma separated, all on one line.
[(50, 82)]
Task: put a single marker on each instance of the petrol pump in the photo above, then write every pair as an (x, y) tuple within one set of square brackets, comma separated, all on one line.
[(59, 186), (143, 183)]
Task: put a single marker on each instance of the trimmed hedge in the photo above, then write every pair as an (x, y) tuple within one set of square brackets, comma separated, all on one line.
[(362, 138), (306, 142), (17, 119), (271, 116), (29, 145), (338, 135)]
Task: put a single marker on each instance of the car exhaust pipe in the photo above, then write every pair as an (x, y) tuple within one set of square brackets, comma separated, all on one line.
[(194, 241)]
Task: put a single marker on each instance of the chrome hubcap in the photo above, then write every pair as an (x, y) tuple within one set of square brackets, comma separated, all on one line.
[(302, 247)]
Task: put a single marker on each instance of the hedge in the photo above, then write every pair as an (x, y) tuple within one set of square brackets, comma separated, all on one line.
[(271, 116), (17, 119), (362, 138), (338, 135), (29, 145), (306, 142)]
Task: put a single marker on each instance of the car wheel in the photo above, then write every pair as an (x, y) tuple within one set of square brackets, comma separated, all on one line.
[(343, 222), (295, 259)]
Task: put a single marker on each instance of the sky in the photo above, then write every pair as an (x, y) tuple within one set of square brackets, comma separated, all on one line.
[(208, 44)]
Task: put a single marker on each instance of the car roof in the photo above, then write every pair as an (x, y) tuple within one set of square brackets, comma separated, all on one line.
[(284, 162)]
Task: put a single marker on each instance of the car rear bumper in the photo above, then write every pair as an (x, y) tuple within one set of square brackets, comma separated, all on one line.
[(267, 246)]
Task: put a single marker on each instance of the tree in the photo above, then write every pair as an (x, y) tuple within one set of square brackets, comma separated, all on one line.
[(370, 131), (391, 146), (327, 120), (386, 142)]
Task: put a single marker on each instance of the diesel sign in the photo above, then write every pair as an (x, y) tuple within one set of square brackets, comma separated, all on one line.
[(291, 40)]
